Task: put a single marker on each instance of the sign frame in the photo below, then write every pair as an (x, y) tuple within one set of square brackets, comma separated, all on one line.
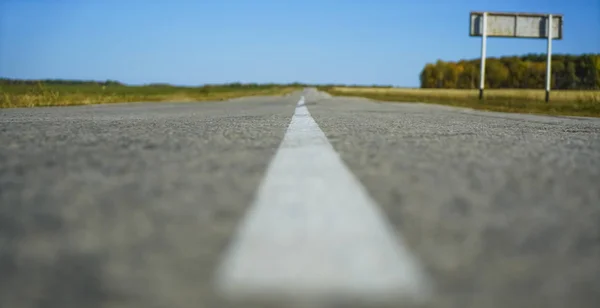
[(545, 26)]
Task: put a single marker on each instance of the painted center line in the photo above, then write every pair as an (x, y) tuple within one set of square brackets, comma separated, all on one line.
[(313, 231)]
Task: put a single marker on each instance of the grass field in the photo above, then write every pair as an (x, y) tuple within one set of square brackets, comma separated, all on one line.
[(563, 102), (22, 95)]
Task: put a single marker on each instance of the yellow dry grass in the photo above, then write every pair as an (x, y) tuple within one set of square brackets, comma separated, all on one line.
[(562, 102), (49, 97), (516, 94)]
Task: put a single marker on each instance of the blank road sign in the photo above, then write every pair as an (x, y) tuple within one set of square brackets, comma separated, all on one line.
[(524, 25)]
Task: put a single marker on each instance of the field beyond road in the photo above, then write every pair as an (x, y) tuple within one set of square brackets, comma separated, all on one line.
[(40, 94), (562, 102)]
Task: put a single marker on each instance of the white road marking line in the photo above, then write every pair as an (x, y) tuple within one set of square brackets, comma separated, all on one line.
[(313, 231)]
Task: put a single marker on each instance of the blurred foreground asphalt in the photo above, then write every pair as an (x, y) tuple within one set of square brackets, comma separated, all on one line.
[(133, 205)]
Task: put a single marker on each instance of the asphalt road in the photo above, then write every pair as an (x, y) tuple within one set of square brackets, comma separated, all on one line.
[(134, 205)]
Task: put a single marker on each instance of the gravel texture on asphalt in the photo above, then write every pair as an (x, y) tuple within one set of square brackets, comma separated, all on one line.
[(132, 205)]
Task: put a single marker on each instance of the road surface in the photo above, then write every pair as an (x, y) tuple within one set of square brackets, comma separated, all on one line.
[(297, 201)]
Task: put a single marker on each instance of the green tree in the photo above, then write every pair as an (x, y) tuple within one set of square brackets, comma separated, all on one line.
[(468, 77), (429, 76), (451, 73), (558, 72), (496, 74), (595, 72)]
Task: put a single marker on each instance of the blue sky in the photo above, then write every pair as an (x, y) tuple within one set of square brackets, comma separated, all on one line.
[(202, 41)]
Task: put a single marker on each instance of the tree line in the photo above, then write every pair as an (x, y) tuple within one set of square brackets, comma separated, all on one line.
[(517, 72), (73, 82), (232, 85), (8, 81)]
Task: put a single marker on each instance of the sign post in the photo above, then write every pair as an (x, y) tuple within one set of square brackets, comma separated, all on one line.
[(549, 59), (516, 25), (482, 68)]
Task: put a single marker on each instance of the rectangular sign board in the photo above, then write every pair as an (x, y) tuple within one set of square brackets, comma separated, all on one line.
[(524, 25)]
